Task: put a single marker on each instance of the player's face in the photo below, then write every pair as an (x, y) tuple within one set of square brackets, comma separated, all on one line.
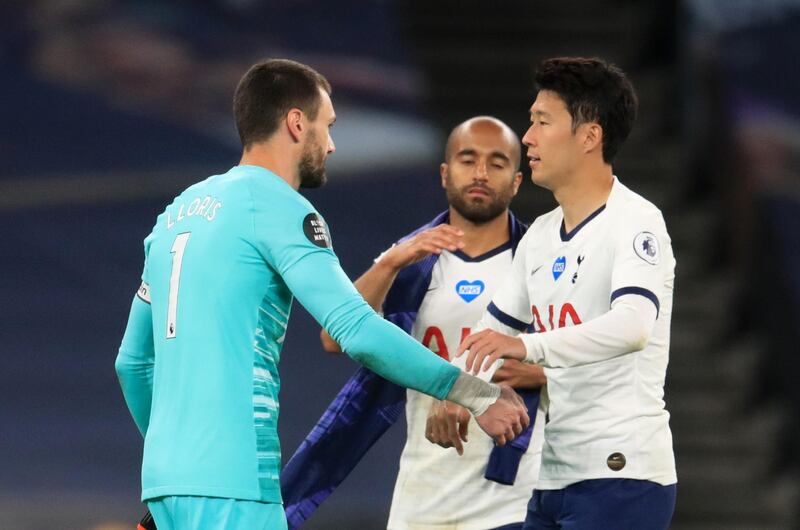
[(318, 145), (553, 149), (481, 177)]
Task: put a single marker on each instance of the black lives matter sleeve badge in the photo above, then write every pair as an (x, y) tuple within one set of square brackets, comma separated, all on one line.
[(316, 230)]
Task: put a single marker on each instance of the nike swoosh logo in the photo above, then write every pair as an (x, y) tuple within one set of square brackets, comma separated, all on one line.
[(536, 269)]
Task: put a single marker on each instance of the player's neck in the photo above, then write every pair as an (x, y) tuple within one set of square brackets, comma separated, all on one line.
[(273, 159), (583, 195), (481, 238)]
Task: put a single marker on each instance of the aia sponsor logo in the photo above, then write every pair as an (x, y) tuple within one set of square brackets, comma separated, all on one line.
[(566, 312)]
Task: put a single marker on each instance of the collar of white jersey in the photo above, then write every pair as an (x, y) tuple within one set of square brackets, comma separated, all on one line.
[(615, 191)]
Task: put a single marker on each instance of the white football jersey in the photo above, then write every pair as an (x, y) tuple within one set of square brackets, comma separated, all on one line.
[(606, 418), (436, 489)]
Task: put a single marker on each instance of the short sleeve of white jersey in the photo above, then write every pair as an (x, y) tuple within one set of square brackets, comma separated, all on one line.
[(643, 258)]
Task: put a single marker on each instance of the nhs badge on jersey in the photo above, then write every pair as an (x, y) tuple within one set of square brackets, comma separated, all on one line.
[(558, 267), (646, 246), (469, 291)]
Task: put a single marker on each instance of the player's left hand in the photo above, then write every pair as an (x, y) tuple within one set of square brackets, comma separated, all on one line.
[(487, 346), (447, 425)]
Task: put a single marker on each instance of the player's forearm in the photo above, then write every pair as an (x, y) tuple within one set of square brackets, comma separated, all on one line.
[(136, 380), (391, 353), (135, 361), (519, 375), (373, 285), (626, 328), (325, 291), (473, 393)]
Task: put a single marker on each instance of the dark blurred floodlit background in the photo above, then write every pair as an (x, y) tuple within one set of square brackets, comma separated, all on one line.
[(108, 108)]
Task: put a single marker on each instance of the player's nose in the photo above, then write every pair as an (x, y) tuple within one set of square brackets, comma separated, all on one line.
[(529, 139), (481, 173)]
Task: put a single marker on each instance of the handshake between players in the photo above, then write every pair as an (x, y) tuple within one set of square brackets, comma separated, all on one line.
[(503, 421)]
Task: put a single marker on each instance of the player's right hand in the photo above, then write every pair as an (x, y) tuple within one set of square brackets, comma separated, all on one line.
[(506, 417), (447, 425), (487, 346), (431, 241)]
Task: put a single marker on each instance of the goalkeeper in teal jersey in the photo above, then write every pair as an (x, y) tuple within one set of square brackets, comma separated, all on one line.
[(198, 364)]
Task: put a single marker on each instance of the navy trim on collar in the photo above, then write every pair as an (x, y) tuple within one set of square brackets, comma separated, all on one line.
[(567, 236), (486, 255)]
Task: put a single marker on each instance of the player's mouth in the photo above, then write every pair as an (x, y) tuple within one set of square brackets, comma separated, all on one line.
[(534, 161), (478, 191)]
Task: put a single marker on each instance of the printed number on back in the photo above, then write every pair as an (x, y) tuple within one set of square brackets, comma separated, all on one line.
[(178, 248)]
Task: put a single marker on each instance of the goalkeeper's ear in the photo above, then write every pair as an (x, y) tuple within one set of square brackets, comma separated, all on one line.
[(147, 522)]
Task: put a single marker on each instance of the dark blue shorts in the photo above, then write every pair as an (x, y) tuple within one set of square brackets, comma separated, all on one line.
[(610, 504)]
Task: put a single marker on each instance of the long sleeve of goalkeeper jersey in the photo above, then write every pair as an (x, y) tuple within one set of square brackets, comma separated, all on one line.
[(319, 283), (134, 364)]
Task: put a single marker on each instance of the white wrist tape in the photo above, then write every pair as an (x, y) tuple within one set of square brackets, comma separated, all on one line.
[(474, 394)]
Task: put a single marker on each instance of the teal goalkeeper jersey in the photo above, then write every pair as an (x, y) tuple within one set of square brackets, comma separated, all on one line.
[(198, 364)]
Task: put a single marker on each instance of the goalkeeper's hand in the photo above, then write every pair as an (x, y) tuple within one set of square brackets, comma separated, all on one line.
[(147, 522)]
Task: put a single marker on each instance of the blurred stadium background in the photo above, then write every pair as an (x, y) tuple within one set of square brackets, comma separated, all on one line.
[(109, 107)]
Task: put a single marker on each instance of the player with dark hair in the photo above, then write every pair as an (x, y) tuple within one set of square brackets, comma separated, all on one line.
[(595, 276), (198, 361)]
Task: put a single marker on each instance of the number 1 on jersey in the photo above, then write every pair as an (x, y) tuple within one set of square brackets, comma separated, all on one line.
[(178, 248)]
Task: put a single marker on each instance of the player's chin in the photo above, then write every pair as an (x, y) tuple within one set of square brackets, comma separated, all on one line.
[(314, 180), (539, 178), (478, 204)]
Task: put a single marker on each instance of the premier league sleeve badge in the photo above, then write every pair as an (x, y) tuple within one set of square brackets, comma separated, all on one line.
[(646, 246)]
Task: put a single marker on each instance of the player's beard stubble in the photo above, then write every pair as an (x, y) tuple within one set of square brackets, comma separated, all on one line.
[(475, 210), (312, 164)]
